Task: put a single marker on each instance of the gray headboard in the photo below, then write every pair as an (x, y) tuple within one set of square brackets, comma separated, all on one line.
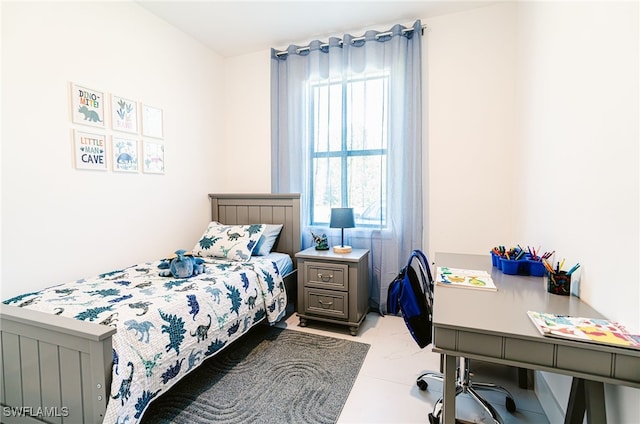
[(241, 208)]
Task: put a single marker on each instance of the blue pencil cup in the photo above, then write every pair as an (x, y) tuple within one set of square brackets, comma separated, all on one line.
[(536, 268), (510, 266)]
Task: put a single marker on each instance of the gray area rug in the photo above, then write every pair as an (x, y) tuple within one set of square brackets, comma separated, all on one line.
[(270, 375)]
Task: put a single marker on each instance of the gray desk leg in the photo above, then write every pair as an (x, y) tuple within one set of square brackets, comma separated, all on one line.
[(586, 395), (449, 390), (525, 378)]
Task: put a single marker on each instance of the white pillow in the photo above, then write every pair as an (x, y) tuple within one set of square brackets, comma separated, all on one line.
[(233, 242)]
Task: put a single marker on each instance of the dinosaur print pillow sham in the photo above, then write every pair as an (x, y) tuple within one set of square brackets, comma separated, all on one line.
[(233, 242), (165, 326)]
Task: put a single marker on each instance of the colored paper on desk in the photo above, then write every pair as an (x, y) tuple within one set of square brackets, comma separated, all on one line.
[(590, 330), (465, 278)]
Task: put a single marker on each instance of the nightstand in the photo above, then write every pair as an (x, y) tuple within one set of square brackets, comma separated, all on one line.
[(333, 287)]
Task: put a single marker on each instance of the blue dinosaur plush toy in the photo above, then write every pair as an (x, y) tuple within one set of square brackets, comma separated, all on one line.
[(181, 265)]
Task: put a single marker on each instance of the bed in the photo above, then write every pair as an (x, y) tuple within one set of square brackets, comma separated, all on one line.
[(108, 345)]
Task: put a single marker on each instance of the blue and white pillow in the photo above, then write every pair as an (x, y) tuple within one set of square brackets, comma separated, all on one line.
[(267, 240), (233, 242)]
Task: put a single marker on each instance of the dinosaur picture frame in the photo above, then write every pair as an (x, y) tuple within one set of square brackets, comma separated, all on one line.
[(87, 106), (124, 154)]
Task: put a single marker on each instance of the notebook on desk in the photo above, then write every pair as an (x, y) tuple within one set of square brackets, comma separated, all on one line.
[(590, 330), (464, 278)]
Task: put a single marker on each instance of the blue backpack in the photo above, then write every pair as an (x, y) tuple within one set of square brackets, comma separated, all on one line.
[(411, 294)]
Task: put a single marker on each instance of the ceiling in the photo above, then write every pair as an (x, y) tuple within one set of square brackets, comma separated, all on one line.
[(232, 28)]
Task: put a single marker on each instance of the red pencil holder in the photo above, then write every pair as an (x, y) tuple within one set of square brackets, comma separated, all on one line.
[(559, 283)]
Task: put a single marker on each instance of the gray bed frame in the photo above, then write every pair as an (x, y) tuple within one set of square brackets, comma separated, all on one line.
[(58, 369)]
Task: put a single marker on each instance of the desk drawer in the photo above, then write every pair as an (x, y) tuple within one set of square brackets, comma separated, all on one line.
[(529, 351), (326, 276), (326, 303), (627, 368), (583, 360), (467, 341)]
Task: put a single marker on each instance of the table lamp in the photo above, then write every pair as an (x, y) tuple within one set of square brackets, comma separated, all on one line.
[(342, 218)]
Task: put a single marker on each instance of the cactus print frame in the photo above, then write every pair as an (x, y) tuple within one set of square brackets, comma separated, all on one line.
[(153, 158), (87, 106), (124, 114)]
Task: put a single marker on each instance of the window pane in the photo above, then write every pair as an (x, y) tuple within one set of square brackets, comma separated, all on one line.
[(366, 114), (326, 189), (327, 117), (367, 189)]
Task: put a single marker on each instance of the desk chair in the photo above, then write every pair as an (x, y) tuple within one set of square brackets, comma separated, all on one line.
[(418, 268), (465, 385)]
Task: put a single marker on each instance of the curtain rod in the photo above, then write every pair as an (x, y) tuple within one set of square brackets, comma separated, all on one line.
[(353, 40)]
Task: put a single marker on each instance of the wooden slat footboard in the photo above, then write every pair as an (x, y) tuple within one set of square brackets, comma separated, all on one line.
[(52, 368)]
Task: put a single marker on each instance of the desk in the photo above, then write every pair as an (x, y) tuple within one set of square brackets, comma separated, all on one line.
[(493, 326)]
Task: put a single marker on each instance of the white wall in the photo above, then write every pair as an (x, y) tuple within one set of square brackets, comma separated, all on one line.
[(579, 144), (248, 123), (471, 103), (59, 223), (578, 156)]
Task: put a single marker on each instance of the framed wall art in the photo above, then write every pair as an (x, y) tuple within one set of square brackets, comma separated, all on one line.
[(87, 106), (151, 121), (153, 158), (124, 114), (90, 151), (124, 154)]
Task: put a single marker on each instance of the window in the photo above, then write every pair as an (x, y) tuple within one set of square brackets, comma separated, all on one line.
[(348, 136)]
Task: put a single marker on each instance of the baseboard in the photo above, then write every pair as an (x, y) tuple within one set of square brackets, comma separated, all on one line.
[(550, 405)]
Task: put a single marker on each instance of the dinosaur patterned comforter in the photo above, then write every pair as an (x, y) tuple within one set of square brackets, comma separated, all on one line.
[(166, 326)]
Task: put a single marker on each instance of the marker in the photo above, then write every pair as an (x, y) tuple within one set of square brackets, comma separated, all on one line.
[(576, 266)]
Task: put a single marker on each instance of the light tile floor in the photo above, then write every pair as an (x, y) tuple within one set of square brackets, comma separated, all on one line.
[(386, 392)]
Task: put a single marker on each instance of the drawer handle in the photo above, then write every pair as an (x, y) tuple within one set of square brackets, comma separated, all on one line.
[(325, 305), (325, 278)]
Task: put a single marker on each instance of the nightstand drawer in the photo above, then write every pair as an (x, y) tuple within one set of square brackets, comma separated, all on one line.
[(326, 276), (326, 303)]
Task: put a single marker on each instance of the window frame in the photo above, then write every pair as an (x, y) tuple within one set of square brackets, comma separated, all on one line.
[(345, 153)]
